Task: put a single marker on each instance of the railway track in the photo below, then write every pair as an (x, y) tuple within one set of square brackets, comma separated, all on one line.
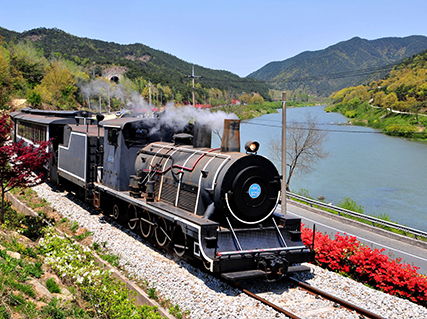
[(319, 304), (204, 296), (299, 300)]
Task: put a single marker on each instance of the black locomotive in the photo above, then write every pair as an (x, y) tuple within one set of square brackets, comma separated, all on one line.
[(213, 205)]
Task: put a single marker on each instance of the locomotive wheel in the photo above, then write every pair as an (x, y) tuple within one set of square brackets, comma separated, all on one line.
[(81, 193), (179, 240), (116, 212), (145, 224), (132, 217), (160, 232), (207, 265)]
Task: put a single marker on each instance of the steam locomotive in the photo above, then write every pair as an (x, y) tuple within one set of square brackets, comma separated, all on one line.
[(217, 206)]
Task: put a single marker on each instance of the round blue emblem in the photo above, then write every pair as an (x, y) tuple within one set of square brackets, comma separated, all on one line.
[(254, 190)]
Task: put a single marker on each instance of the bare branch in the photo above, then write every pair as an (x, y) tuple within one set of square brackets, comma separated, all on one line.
[(304, 146)]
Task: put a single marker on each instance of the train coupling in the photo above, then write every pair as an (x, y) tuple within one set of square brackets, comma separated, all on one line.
[(275, 266)]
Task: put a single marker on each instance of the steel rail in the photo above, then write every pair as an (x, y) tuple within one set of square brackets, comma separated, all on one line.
[(312, 290), (337, 300), (266, 302), (373, 220)]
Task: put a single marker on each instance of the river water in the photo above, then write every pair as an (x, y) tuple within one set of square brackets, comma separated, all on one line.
[(384, 174)]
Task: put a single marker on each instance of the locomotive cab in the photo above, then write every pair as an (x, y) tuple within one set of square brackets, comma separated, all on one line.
[(124, 138)]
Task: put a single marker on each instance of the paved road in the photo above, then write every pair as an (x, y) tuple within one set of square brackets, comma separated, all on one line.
[(411, 254)]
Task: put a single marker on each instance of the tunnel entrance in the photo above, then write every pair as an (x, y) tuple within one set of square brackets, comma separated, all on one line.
[(114, 79)]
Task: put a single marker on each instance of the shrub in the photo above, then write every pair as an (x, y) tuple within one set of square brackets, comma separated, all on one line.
[(346, 255), (350, 204), (350, 113)]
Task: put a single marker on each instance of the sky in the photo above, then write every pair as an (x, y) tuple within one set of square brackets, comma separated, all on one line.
[(234, 35)]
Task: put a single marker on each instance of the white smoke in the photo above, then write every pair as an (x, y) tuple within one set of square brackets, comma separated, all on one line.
[(178, 117), (136, 102), (104, 90), (174, 117)]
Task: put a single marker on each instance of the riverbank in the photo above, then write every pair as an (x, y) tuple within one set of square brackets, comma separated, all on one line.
[(251, 111), (402, 124)]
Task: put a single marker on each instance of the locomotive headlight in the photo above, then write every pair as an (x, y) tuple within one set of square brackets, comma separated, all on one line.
[(251, 147)]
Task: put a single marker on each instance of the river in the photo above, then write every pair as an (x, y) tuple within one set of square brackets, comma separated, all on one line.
[(386, 175)]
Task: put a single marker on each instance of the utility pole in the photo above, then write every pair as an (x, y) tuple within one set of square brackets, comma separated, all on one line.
[(284, 153), (149, 94), (192, 76)]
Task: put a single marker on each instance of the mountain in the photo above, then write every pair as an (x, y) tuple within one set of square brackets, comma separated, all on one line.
[(138, 59), (344, 64)]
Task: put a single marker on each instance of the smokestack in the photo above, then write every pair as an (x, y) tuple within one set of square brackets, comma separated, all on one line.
[(231, 136), (202, 135)]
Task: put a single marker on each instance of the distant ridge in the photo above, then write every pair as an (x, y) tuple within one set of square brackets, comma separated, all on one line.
[(311, 70), (137, 59)]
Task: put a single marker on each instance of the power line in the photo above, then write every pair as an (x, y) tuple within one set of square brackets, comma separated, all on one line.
[(326, 76), (326, 130), (289, 125)]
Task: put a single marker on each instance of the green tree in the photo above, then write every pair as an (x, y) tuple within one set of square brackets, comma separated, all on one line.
[(390, 100), (34, 99), (57, 87), (27, 63), (178, 97), (257, 99), (379, 98), (5, 80), (167, 93), (245, 98)]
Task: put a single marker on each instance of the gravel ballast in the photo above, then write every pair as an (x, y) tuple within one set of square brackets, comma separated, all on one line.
[(207, 297)]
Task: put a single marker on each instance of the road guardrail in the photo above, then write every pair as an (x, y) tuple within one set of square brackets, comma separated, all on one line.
[(373, 220)]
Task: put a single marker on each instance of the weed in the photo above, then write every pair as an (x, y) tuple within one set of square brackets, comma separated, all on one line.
[(175, 311), (26, 289), (52, 286), (54, 310), (3, 313), (110, 258), (34, 270), (74, 227), (16, 300), (96, 246), (152, 293), (82, 236)]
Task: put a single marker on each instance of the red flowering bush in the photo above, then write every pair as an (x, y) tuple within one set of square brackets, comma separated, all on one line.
[(18, 162), (345, 254)]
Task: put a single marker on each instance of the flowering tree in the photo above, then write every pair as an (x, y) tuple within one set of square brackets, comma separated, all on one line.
[(18, 162)]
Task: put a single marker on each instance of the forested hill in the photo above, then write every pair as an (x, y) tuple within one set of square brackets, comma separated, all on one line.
[(138, 59), (397, 104), (325, 71)]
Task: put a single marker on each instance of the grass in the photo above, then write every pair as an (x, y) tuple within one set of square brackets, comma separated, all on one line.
[(21, 291), (81, 237), (17, 295), (52, 286)]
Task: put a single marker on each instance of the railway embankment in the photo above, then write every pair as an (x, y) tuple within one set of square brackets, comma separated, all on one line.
[(63, 301), (197, 294)]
